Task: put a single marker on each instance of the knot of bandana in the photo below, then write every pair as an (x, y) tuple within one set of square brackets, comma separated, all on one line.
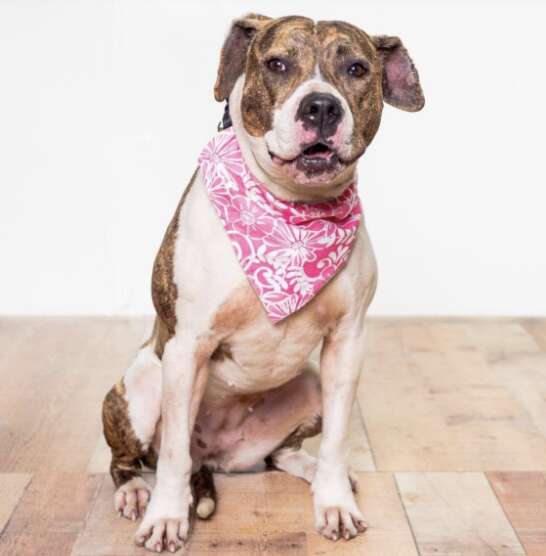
[(288, 250)]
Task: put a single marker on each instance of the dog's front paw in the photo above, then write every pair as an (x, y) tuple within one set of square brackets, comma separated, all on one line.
[(165, 526), (131, 499), (336, 513), (335, 522), (168, 533)]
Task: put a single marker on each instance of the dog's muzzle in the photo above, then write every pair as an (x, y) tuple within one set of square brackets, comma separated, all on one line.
[(320, 111)]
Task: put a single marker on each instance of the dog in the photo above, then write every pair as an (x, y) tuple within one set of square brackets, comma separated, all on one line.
[(219, 386)]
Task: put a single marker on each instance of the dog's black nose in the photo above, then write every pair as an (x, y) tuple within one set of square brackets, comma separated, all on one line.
[(321, 111)]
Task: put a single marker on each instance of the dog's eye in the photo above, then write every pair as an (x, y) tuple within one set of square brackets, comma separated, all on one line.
[(277, 65), (357, 70)]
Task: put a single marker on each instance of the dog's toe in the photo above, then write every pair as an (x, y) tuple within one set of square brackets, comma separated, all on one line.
[(131, 499), (339, 523), (163, 534)]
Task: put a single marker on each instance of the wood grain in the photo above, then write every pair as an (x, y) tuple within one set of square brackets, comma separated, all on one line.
[(438, 397), (537, 329), (52, 389), (263, 513), (456, 513), (523, 497), (12, 487), (436, 404), (50, 514)]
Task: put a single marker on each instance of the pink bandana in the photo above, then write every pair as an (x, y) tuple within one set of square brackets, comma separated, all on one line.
[(288, 250)]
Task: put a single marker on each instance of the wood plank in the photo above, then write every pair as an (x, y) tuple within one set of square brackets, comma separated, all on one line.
[(50, 514), (518, 363), (263, 513), (523, 375), (12, 487), (442, 408), (51, 405), (537, 329), (456, 513), (498, 340), (523, 497)]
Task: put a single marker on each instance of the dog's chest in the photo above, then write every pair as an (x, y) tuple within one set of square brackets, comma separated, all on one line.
[(260, 356), (216, 300)]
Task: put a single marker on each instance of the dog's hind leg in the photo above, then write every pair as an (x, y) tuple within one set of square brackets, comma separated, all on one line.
[(290, 456), (130, 415)]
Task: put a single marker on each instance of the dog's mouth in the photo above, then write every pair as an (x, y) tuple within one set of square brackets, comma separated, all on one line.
[(314, 159)]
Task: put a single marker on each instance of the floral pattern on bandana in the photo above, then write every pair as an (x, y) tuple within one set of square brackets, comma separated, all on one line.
[(288, 250)]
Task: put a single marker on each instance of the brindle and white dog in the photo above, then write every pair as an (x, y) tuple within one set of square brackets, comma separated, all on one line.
[(218, 386)]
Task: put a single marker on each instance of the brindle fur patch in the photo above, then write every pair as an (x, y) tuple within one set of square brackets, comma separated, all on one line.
[(164, 290), (291, 39), (159, 337), (341, 45), (305, 430), (127, 451), (233, 55)]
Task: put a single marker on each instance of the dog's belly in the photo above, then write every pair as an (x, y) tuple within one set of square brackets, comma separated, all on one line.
[(238, 433)]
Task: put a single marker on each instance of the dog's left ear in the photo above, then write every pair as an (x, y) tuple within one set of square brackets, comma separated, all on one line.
[(233, 55), (401, 86)]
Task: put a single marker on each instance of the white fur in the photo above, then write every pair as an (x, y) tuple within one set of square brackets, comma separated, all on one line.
[(296, 462), (143, 394)]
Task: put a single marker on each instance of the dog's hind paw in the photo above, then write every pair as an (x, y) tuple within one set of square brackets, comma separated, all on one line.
[(131, 498)]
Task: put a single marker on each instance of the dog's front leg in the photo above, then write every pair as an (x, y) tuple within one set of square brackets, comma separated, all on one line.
[(166, 523), (336, 512)]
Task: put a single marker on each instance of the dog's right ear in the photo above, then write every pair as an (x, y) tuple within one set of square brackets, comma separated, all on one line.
[(233, 56)]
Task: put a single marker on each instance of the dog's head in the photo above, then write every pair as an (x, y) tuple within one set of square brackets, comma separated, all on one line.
[(306, 98)]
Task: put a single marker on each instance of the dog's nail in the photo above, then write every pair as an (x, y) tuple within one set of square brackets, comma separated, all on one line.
[(133, 515), (334, 536), (347, 535), (158, 547), (172, 546)]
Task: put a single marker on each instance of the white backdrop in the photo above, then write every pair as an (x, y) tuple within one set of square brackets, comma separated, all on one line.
[(104, 106)]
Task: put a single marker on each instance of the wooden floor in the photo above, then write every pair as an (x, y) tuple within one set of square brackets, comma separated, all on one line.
[(448, 439)]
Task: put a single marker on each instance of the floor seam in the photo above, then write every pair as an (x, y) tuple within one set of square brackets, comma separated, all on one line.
[(408, 520), (4, 529), (486, 474)]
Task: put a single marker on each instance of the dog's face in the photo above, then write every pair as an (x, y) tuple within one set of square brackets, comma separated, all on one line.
[(308, 96)]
